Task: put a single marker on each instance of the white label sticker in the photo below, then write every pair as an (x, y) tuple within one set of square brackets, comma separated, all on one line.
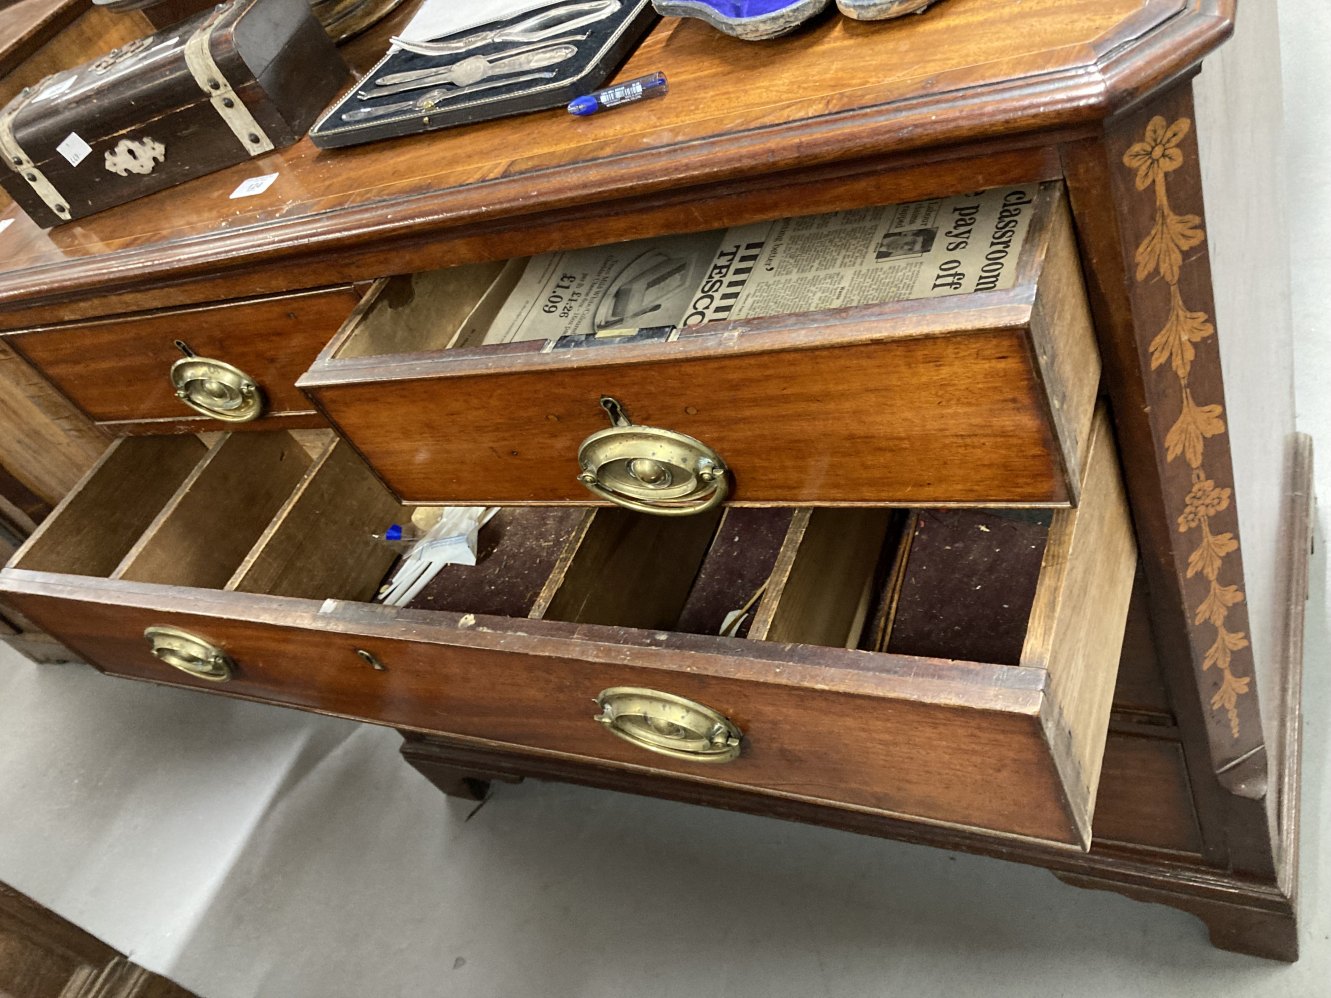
[(74, 149), (253, 186), (5, 223), (56, 89)]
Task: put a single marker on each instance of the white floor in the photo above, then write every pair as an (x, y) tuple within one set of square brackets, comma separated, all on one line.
[(124, 807)]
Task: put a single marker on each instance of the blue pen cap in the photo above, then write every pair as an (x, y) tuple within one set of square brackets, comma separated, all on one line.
[(583, 105), (393, 533)]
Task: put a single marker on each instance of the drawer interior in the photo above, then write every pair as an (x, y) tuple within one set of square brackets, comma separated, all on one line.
[(453, 309), (270, 512), (282, 514), (430, 311)]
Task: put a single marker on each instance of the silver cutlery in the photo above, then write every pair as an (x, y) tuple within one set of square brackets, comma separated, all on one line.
[(543, 26), (432, 99), (477, 68), (420, 74)]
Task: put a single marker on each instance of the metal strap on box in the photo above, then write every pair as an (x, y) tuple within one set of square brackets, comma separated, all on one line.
[(21, 163), (199, 60)]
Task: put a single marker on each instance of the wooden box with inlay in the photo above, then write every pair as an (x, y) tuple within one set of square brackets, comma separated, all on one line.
[(229, 84)]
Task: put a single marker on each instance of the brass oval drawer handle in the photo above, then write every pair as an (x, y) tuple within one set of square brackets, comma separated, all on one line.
[(651, 470), (216, 389), (670, 725), (189, 653)]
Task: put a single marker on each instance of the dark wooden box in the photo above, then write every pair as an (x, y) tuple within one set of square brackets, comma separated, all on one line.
[(231, 83)]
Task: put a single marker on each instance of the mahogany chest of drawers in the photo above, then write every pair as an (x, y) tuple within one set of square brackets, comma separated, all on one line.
[(1103, 721)]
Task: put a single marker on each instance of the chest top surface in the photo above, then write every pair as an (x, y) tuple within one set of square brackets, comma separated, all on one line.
[(970, 70)]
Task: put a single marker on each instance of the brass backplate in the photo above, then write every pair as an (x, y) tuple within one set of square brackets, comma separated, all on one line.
[(189, 653), (669, 725), (652, 470), (217, 389)]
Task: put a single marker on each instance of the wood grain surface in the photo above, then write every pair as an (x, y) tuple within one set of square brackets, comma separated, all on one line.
[(202, 533), (320, 543), (1243, 914), (1139, 691), (282, 67), (27, 25), (1042, 723), (46, 443), (83, 32), (628, 568), (892, 403), (844, 92), (1145, 798), (976, 109), (103, 517), (822, 581), (1152, 292), (1249, 218), (1078, 617), (44, 956)]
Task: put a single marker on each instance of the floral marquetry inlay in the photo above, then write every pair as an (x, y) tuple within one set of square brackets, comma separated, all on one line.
[(1161, 254)]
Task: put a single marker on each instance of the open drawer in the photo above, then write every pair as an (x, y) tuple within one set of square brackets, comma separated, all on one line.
[(978, 398), (249, 566)]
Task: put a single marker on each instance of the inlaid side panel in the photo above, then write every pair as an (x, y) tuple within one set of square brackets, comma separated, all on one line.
[(1146, 251)]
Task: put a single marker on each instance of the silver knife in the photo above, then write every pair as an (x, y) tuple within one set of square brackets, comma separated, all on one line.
[(534, 29), (473, 70), (420, 74), (428, 101)]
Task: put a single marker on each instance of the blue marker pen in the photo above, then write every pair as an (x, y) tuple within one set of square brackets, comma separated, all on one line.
[(623, 93)]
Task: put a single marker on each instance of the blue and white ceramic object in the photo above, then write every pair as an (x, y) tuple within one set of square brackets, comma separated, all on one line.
[(878, 10), (752, 20)]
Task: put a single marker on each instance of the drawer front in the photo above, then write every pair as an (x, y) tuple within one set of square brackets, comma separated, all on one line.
[(119, 370), (936, 742), (973, 399)]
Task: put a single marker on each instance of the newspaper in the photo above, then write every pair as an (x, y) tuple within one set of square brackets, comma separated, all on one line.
[(650, 289)]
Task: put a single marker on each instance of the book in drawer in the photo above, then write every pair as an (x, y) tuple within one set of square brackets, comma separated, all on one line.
[(982, 398), (610, 638)]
